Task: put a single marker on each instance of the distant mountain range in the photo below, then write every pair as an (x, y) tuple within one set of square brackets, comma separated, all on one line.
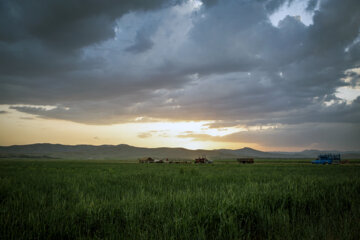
[(126, 152)]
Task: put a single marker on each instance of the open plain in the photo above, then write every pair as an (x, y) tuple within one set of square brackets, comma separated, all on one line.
[(54, 199)]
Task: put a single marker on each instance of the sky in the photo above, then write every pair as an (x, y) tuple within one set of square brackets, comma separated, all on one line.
[(275, 75)]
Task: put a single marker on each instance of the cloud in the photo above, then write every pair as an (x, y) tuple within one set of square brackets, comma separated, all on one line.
[(222, 61), (142, 40), (33, 33), (3, 112), (312, 5), (157, 133), (85, 22), (142, 44), (307, 136), (144, 135)]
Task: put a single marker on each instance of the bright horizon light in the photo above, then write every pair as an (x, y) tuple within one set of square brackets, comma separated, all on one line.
[(143, 134)]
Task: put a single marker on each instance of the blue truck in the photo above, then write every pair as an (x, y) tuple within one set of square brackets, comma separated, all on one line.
[(327, 159)]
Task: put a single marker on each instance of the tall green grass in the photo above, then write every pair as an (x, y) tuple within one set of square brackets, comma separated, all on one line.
[(93, 200)]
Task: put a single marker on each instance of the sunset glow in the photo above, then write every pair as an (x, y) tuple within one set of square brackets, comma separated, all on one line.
[(152, 134)]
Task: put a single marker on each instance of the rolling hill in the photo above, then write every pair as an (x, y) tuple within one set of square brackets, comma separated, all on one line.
[(127, 152)]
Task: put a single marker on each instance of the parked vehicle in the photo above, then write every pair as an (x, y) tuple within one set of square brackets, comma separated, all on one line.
[(327, 159), (245, 160), (202, 159)]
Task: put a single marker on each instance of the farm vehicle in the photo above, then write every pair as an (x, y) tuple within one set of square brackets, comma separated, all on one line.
[(202, 159), (327, 159), (245, 160)]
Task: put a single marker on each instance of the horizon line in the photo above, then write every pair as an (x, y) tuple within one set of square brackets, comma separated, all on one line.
[(215, 149)]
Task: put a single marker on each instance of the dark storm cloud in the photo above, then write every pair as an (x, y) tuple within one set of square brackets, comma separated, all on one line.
[(43, 37), (65, 24), (270, 5), (225, 61), (273, 5), (312, 5), (335, 26), (353, 78), (142, 41)]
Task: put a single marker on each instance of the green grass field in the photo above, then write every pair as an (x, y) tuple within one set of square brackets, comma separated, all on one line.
[(113, 200)]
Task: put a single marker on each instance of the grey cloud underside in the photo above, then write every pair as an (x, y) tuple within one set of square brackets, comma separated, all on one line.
[(65, 24), (270, 5), (142, 43), (308, 136), (112, 62), (46, 37)]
